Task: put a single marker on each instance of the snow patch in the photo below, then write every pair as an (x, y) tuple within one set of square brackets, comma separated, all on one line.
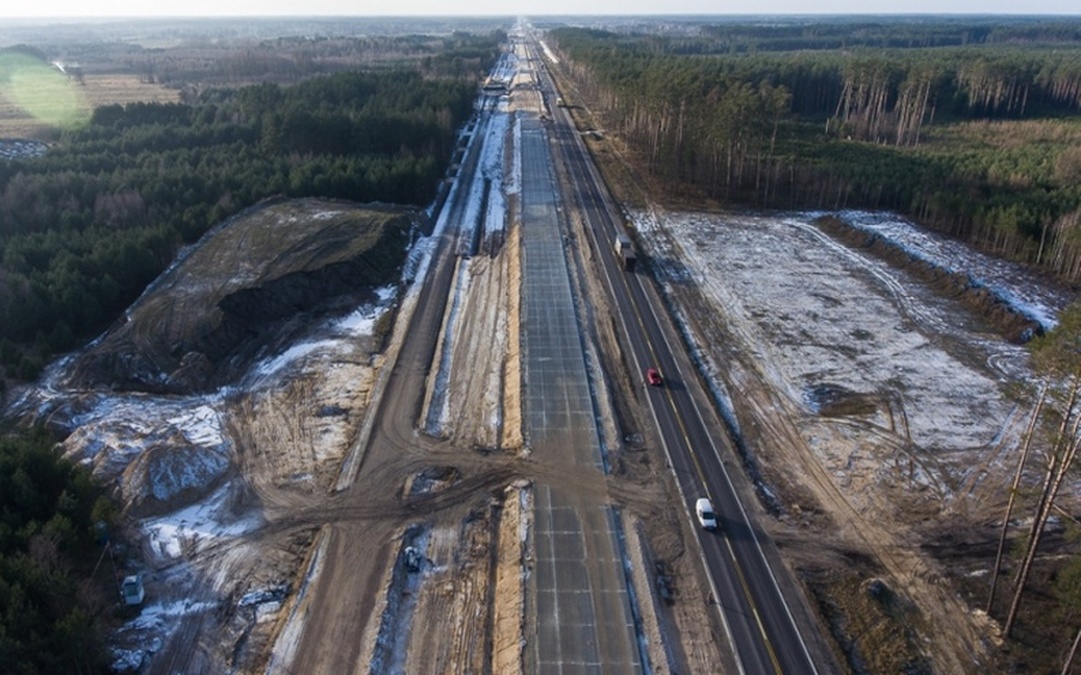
[(1010, 282), (513, 185), (392, 642), (438, 410), (361, 321), (549, 53), (154, 625), (200, 425), (295, 353), (196, 527)]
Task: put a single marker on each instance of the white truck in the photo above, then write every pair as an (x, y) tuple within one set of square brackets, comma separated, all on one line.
[(625, 252)]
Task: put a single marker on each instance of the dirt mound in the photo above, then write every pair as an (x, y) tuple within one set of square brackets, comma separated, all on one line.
[(432, 479), (154, 468), (249, 283), (170, 474)]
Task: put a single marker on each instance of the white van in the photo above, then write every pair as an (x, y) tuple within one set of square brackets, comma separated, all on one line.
[(703, 508)]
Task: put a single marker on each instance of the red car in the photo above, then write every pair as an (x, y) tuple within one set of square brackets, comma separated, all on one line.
[(653, 377)]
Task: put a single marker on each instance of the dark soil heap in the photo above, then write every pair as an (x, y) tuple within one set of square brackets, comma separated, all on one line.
[(255, 279)]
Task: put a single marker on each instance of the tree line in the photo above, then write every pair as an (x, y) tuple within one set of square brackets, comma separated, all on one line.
[(52, 611), (753, 35), (84, 228), (978, 140)]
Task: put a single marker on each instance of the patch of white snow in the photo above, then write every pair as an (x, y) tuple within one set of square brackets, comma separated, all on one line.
[(196, 527)]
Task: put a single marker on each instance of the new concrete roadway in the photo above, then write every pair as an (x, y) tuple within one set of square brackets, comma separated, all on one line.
[(581, 620)]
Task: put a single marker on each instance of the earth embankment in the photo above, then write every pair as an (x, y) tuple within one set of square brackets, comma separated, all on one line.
[(247, 286)]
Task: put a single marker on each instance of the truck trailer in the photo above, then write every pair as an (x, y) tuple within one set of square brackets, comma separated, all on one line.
[(625, 252)]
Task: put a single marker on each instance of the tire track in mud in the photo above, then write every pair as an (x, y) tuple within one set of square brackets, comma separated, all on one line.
[(384, 504), (931, 324), (983, 485), (926, 321), (957, 639), (457, 588)]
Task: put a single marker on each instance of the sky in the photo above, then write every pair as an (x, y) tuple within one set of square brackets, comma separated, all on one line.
[(142, 8)]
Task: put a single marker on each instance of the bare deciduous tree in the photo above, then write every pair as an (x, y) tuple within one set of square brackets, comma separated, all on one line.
[(1027, 444), (1057, 356)]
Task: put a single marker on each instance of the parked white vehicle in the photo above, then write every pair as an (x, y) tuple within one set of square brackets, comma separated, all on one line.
[(132, 590)]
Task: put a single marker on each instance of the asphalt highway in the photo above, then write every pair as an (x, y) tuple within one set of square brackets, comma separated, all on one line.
[(757, 618)]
